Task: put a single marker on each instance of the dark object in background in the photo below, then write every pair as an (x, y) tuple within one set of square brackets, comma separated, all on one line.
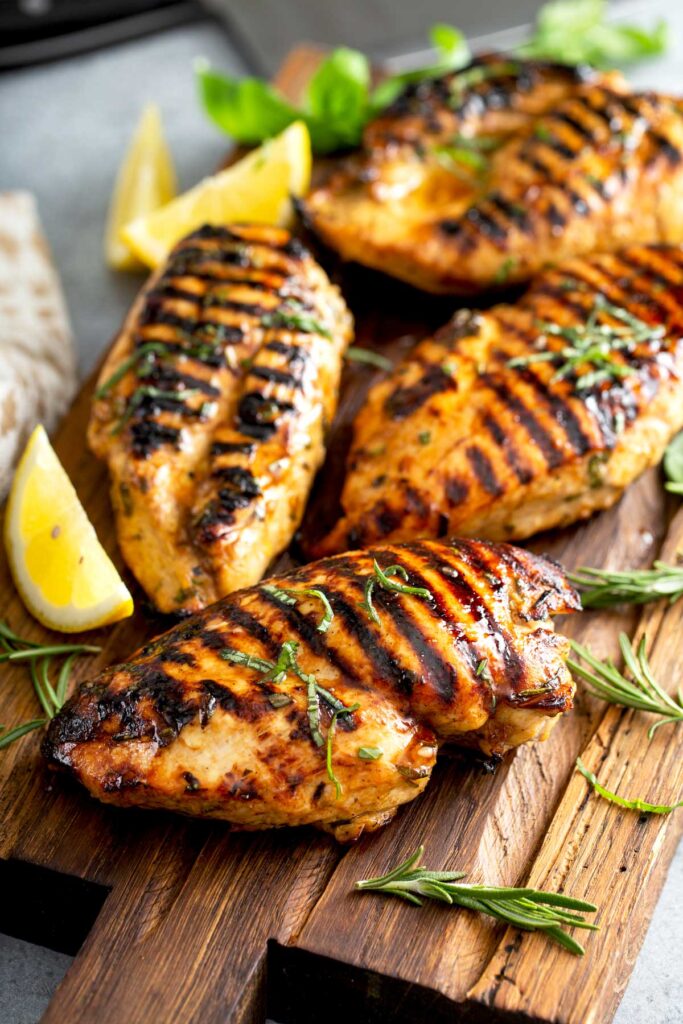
[(37, 30)]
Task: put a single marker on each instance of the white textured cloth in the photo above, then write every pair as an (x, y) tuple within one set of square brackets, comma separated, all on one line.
[(37, 365)]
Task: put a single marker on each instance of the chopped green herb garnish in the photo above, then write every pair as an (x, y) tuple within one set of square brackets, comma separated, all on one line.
[(370, 753), (504, 270), (614, 798), (276, 671), (528, 909), (425, 436), (356, 354), (593, 344), (149, 391), (247, 660), (596, 469), (279, 700), (483, 669), (288, 595), (141, 359), (383, 579), (294, 316), (330, 738), (454, 158), (542, 132)]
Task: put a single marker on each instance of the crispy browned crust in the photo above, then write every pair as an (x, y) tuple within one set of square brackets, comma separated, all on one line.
[(181, 727), (459, 442), (581, 165)]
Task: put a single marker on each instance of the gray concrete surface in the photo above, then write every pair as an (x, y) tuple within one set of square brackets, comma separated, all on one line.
[(63, 128)]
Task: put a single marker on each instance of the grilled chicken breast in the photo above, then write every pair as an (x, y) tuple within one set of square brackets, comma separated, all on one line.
[(212, 408), (488, 174), (232, 714), (527, 416)]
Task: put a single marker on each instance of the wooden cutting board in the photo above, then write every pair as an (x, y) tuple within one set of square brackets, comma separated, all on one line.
[(191, 922)]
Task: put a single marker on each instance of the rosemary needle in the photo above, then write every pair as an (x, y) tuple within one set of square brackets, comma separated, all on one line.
[(641, 691), (528, 909), (614, 798), (602, 588), (38, 658)]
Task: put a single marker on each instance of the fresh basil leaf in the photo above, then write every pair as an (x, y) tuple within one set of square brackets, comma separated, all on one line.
[(247, 109), (576, 32), (337, 99)]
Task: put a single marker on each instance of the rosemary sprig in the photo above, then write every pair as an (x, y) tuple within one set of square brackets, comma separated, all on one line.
[(641, 692), (528, 909), (602, 588), (38, 658), (357, 354), (382, 579), (289, 595), (294, 316), (593, 344), (614, 798)]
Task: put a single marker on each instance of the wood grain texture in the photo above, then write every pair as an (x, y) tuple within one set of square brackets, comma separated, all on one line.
[(201, 922)]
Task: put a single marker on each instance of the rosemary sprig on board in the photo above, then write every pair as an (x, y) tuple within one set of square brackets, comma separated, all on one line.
[(593, 344), (641, 691), (528, 909), (51, 692), (602, 588), (382, 578), (614, 798)]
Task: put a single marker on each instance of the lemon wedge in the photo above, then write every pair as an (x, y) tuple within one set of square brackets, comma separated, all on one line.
[(146, 181), (64, 575), (256, 190)]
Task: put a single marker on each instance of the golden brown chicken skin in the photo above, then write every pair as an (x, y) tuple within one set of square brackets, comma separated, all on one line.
[(232, 714), (490, 430), (212, 408), (486, 175)]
